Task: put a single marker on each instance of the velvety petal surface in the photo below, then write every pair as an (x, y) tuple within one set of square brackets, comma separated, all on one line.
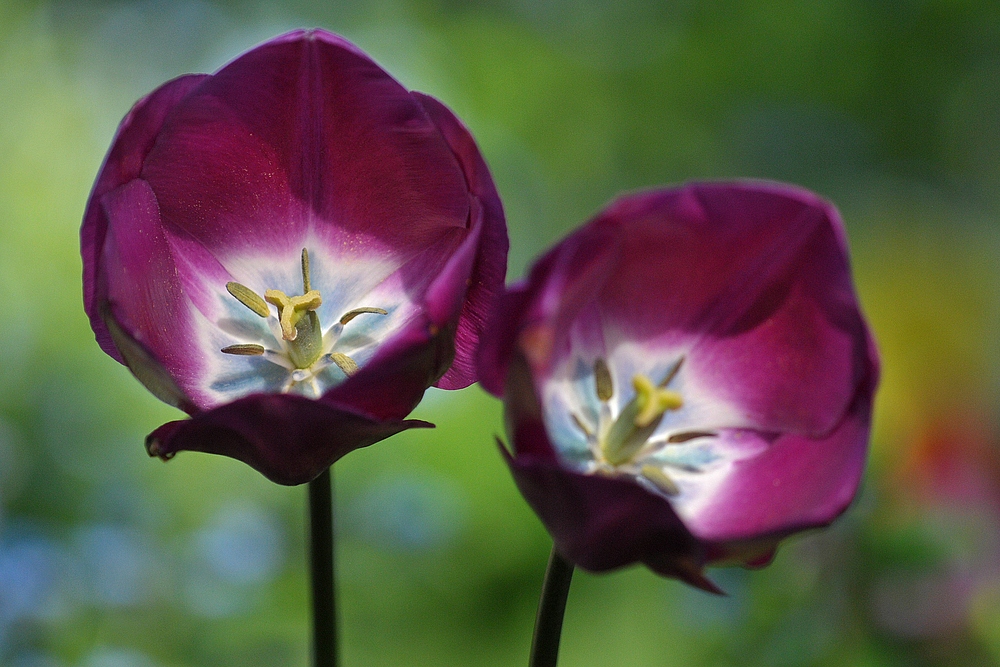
[(796, 482), (600, 523), (289, 439), (489, 267), (133, 141), (143, 293), (305, 134)]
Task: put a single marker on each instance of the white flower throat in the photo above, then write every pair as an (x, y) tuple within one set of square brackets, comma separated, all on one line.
[(300, 345)]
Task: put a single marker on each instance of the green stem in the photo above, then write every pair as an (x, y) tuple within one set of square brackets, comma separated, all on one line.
[(551, 607), (324, 603)]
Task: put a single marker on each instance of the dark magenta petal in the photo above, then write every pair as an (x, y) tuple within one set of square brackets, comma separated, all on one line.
[(498, 347), (490, 264), (535, 315), (755, 276), (123, 163), (600, 523), (289, 439), (143, 292), (796, 483), (305, 134), (390, 385)]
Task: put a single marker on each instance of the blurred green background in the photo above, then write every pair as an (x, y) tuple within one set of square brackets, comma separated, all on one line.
[(891, 108)]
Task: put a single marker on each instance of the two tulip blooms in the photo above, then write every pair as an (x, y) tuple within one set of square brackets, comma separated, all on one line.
[(293, 249)]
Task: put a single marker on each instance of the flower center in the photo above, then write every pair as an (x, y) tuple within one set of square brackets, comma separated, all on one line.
[(623, 444), (301, 346)]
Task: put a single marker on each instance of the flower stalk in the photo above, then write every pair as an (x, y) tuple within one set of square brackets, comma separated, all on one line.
[(323, 583), (551, 608)]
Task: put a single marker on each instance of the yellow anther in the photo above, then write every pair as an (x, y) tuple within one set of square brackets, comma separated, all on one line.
[(652, 401), (292, 308), (248, 298), (245, 350), (344, 363), (602, 379)]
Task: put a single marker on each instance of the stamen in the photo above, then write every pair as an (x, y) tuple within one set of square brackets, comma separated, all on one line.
[(344, 363), (653, 401), (248, 298), (291, 309), (245, 350), (671, 374), (689, 435), (659, 478), (602, 378), (305, 271), (351, 314)]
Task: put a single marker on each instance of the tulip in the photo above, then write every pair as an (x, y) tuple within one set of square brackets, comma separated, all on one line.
[(687, 379), (291, 250)]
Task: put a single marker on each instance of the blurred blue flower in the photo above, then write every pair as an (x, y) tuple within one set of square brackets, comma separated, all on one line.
[(240, 548), (119, 565), (35, 578)]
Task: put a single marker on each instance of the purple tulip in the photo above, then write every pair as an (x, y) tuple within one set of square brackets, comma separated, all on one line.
[(291, 251), (687, 378)]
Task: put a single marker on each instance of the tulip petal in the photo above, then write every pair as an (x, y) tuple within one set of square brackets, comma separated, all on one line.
[(601, 523), (305, 135), (289, 439), (147, 299), (490, 268), (391, 384), (766, 309), (134, 139), (795, 483)]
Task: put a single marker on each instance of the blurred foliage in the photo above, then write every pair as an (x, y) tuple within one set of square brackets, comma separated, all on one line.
[(889, 107)]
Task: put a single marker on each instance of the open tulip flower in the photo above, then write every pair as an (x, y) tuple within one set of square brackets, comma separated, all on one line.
[(687, 378), (291, 251)]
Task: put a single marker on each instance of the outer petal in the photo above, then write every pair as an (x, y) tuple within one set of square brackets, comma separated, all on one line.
[(305, 134), (490, 265), (289, 439), (536, 315), (390, 385), (796, 483), (132, 143), (601, 523), (143, 292)]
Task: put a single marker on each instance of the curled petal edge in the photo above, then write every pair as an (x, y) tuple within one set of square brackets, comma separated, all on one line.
[(143, 365), (488, 269), (289, 439)]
